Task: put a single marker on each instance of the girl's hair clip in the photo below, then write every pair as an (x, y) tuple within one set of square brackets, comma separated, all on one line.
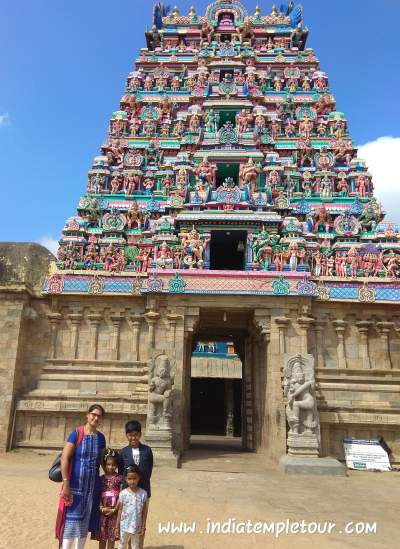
[(111, 454)]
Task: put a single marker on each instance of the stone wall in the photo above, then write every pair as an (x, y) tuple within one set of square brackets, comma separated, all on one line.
[(22, 270), (60, 354)]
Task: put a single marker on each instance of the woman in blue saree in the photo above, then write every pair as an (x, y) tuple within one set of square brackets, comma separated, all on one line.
[(79, 507)]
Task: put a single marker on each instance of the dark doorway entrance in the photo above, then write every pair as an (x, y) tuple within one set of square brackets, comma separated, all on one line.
[(226, 116), (227, 250), (226, 38), (209, 409), (227, 170)]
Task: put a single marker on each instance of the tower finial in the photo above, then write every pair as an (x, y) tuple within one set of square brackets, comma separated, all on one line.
[(274, 11), (257, 13), (175, 12), (192, 11)]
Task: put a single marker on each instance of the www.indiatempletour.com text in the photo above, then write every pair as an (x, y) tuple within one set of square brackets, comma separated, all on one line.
[(234, 526)]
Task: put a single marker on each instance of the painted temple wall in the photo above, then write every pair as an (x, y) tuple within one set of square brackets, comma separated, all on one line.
[(59, 354), (52, 394)]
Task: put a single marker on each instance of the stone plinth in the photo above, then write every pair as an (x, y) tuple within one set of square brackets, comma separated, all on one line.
[(160, 442), (304, 445), (303, 465)]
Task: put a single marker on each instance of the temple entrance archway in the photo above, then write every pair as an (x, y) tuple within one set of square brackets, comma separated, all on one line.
[(221, 404), (216, 390)]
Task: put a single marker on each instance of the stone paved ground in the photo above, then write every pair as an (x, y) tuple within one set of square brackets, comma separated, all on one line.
[(28, 502)]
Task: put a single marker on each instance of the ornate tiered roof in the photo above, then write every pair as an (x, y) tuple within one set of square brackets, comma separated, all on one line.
[(227, 123)]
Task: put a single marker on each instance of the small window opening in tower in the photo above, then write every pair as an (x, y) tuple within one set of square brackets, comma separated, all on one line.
[(226, 73), (227, 170), (228, 250), (227, 116), (226, 38)]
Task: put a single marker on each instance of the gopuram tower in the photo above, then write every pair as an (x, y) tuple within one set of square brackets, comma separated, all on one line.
[(228, 202)]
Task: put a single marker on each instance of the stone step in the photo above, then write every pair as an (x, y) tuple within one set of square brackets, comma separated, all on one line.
[(93, 376), (102, 363), (92, 385), (69, 395), (139, 371)]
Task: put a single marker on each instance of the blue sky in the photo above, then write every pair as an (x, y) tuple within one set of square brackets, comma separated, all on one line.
[(63, 65)]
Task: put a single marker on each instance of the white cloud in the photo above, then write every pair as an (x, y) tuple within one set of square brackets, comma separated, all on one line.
[(4, 119), (49, 243), (382, 157)]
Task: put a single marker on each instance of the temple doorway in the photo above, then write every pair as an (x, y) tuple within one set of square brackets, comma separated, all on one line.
[(216, 390), (228, 250), (220, 397), (216, 407)]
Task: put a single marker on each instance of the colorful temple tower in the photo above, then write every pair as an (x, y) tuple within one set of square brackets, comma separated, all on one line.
[(227, 204), (228, 153)]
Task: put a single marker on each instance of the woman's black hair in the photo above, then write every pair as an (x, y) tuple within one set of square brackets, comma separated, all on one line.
[(132, 469), (97, 407)]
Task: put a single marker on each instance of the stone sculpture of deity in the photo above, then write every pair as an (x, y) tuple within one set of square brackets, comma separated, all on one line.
[(301, 408), (160, 394)]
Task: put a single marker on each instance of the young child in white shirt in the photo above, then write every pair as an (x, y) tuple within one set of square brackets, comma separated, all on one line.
[(132, 510)]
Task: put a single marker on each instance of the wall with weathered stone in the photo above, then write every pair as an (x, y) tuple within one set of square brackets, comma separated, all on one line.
[(23, 268), (60, 354)]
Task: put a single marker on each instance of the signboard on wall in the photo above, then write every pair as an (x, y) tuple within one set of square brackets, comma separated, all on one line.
[(365, 455)]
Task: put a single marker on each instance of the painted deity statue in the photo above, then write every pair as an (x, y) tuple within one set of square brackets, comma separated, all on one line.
[(322, 219), (263, 247), (206, 172), (370, 215), (164, 257), (193, 248), (211, 121), (134, 216), (206, 33), (249, 173), (243, 120)]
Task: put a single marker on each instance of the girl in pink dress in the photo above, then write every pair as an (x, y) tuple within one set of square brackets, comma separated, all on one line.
[(110, 488)]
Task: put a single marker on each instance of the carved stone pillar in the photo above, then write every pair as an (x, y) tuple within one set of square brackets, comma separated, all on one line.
[(304, 322), (116, 323), (94, 319), (384, 329), (340, 327), (76, 319), (363, 327), (173, 320), (229, 408), (151, 319), (260, 389), (136, 321), (319, 328), (54, 319), (282, 322)]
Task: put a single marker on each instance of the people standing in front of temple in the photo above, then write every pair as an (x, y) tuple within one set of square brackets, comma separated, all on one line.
[(132, 511), (79, 504), (137, 454), (111, 483)]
